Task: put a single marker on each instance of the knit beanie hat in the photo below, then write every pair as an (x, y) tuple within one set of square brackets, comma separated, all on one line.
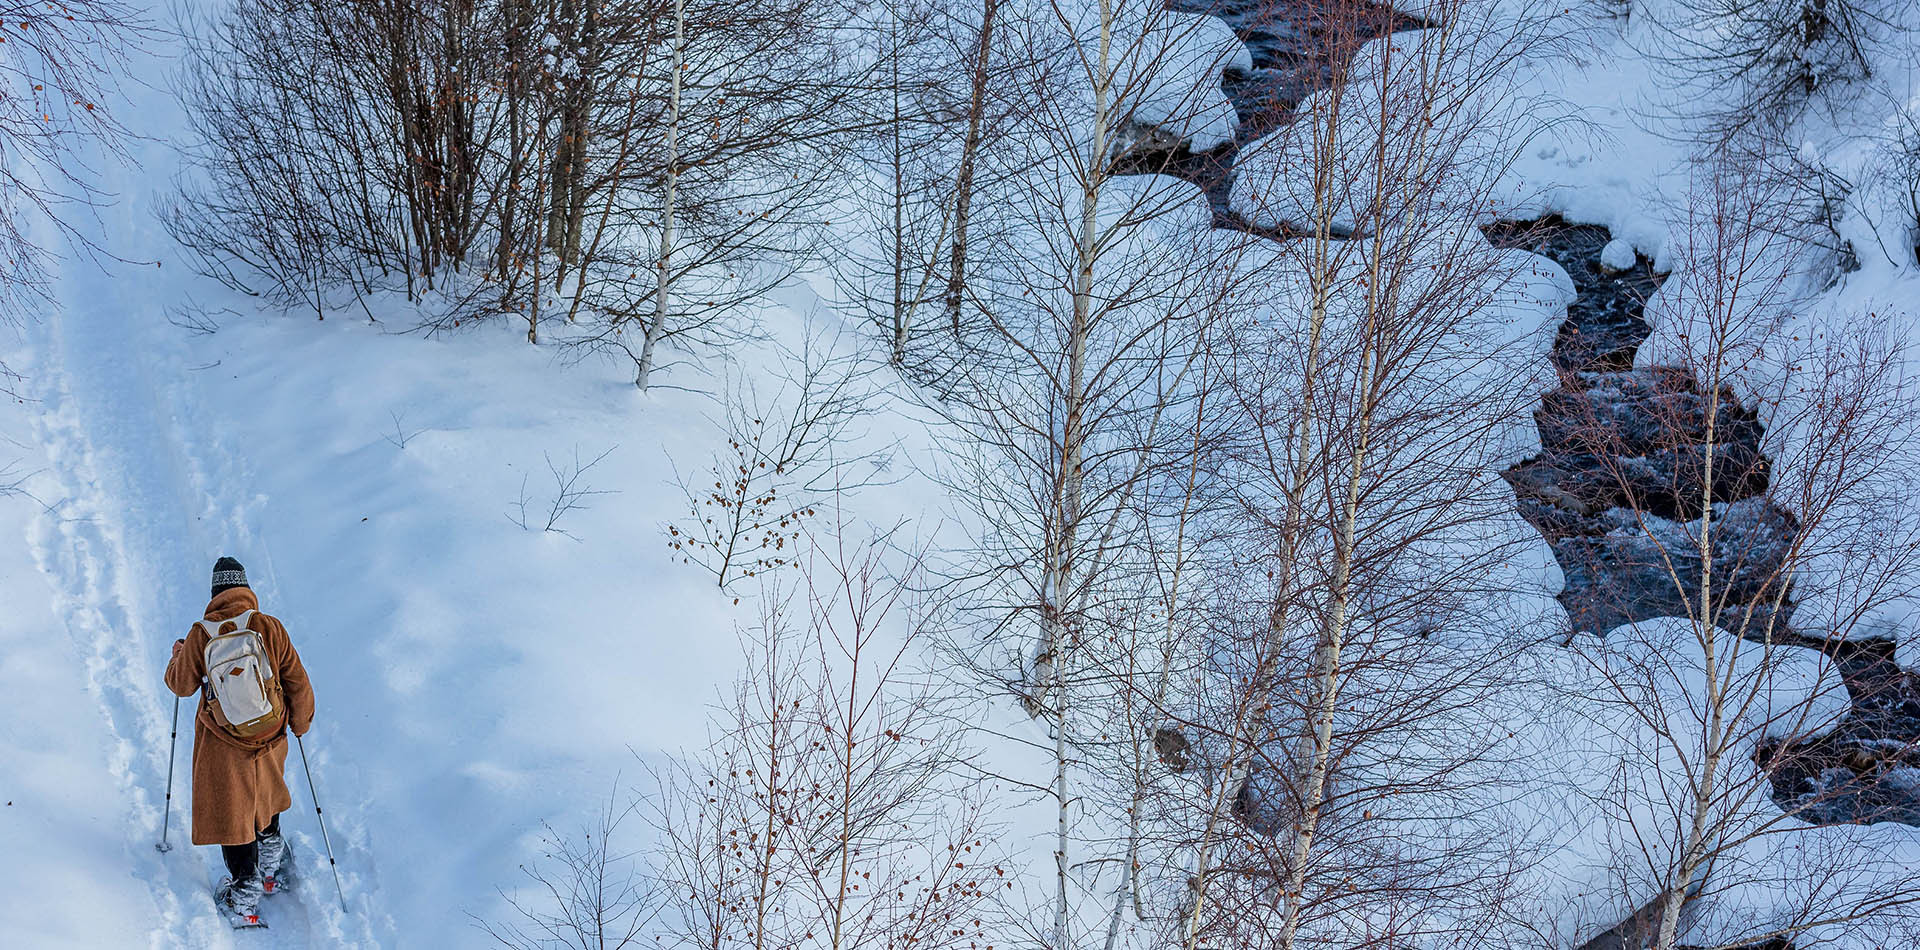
[(228, 573)]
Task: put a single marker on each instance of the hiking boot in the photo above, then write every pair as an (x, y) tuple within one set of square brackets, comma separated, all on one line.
[(275, 865), (240, 898)]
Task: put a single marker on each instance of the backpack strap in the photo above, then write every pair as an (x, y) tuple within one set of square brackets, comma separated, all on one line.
[(241, 621)]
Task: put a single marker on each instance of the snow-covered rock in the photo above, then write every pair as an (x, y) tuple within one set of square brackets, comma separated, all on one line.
[(1618, 256)]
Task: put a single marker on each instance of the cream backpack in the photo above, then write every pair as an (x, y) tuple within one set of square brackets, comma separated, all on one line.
[(241, 685)]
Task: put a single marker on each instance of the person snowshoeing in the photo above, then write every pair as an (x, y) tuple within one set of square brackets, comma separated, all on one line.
[(253, 689)]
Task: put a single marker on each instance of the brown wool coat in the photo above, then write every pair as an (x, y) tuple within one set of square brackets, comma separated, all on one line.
[(239, 784)]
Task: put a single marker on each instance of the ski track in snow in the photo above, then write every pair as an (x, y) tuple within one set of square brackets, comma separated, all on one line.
[(148, 498)]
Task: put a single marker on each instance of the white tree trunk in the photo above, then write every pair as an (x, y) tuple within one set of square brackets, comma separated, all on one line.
[(1694, 851), (1072, 456), (1320, 268), (663, 268)]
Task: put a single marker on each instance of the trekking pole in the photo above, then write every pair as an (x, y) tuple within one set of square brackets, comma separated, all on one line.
[(173, 743), (323, 823)]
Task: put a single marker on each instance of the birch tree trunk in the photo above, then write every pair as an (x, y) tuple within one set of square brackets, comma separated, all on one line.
[(1697, 847), (1326, 675), (663, 268), (1320, 278), (1058, 580)]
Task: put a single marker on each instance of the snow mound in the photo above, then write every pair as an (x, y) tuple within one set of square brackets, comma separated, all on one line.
[(1618, 256)]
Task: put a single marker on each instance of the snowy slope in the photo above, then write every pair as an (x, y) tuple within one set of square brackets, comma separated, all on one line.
[(473, 679)]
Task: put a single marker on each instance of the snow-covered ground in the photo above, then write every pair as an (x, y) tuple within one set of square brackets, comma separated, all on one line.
[(76, 873), (474, 677), (430, 623)]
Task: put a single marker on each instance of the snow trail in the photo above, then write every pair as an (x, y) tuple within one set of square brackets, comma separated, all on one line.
[(143, 487), (149, 493)]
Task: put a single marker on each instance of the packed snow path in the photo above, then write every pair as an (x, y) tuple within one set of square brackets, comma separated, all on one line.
[(148, 486), (142, 484)]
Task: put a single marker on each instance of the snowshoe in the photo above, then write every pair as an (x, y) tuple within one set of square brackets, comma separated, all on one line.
[(239, 921), (239, 902)]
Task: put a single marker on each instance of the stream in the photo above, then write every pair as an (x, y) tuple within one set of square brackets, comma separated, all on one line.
[(1615, 443)]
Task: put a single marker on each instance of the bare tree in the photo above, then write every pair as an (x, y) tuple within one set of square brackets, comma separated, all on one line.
[(58, 68), (1331, 459), (586, 892), (827, 815), (1358, 640), (336, 154), (571, 492), (654, 167), (789, 454), (948, 82), (1741, 67), (715, 159)]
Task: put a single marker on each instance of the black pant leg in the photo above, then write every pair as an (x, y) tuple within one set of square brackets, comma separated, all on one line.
[(241, 859)]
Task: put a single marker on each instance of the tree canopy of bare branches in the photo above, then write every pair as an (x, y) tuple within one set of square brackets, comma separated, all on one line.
[(59, 67)]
